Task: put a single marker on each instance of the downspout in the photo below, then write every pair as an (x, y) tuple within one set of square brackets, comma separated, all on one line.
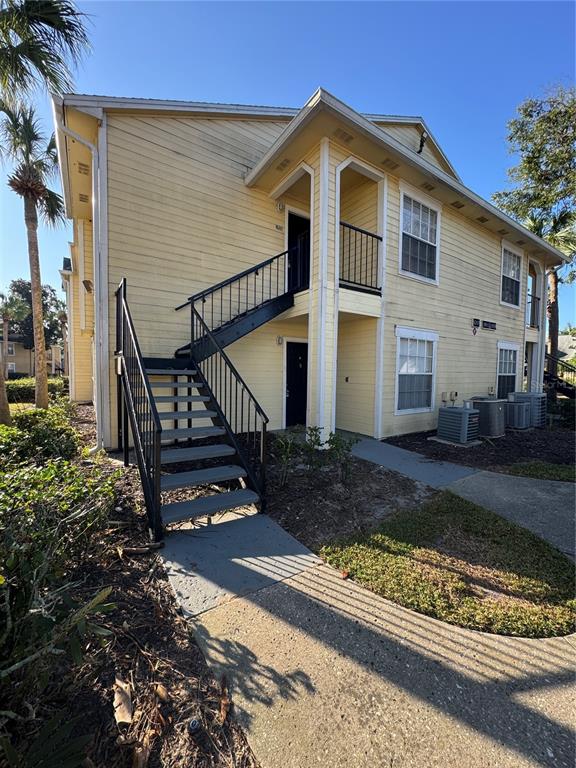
[(57, 105)]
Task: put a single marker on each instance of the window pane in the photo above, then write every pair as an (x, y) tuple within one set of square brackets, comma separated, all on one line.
[(510, 291), (418, 257), (506, 384), (415, 373)]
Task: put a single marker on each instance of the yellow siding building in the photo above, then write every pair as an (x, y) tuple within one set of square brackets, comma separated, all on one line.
[(409, 285)]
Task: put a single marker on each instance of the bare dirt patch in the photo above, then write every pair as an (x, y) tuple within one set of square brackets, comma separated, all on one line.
[(317, 508), (550, 446)]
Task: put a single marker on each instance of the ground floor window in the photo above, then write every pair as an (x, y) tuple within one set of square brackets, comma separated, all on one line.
[(11, 367), (507, 368), (415, 369)]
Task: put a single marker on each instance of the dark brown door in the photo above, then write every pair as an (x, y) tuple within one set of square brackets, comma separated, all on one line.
[(296, 382)]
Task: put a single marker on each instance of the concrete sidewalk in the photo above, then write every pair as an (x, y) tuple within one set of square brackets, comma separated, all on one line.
[(325, 673), (545, 507)]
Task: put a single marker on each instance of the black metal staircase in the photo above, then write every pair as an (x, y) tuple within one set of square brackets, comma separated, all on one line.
[(560, 376)]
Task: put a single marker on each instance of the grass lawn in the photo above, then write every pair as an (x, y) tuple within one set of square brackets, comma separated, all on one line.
[(460, 563), (542, 470)]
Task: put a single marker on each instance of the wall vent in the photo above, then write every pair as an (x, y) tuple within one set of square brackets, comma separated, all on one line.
[(482, 219), (520, 242), (427, 186), (457, 204), (283, 165), (83, 198), (390, 164), (84, 169), (343, 135), (502, 231)]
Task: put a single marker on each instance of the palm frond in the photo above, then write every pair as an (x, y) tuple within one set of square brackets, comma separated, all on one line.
[(39, 39), (51, 208)]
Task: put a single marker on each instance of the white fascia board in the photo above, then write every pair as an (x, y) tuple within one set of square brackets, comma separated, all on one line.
[(322, 100), (58, 117)]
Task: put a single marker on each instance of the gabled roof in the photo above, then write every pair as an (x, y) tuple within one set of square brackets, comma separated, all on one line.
[(323, 106), (93, 103)]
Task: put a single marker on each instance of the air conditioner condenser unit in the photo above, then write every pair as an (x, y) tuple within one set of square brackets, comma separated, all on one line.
[(492, 415), (458, 425), (537, 401), (518, 415)]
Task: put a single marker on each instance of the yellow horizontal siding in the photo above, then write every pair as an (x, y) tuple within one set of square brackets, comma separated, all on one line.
[(355, 387)]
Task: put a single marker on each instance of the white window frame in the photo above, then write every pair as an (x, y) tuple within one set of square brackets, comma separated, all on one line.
[(429, 202), (517, 252), (11, 367), (11, 350), (404, 332), (513, 345)]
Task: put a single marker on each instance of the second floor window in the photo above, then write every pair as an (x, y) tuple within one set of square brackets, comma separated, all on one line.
[(419, 254), (11, 348), (511, 268)]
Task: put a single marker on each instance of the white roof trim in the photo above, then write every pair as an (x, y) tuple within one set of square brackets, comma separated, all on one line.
[(322, 100)]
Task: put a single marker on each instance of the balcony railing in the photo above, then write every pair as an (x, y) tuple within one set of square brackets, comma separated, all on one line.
[(532, 311), (359, 258)]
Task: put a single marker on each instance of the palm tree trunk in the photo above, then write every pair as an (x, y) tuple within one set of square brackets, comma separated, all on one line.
[(5, 417), (553, 323), (31, 219), (5, 331)]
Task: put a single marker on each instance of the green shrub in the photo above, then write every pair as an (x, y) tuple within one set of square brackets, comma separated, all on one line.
[(48, 516), (38, 435), (23, 390)]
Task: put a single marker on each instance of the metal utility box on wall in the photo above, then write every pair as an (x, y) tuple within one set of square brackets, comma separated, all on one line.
[(457, 425), (537, 401), (492, 415), (518, 415)]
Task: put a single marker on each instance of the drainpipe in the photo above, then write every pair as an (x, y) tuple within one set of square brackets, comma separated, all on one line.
[(57, 109)]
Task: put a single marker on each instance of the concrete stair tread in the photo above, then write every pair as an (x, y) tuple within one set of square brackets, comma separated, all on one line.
[(177, 455), (207, 505), (171, 371), (182, 398), (176, 384), (201, 477), (192, 433), (171, 415)]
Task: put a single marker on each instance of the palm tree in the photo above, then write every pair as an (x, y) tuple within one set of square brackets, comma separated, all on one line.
[(35, 161), (12, 309), (37, 42), (560, 231)]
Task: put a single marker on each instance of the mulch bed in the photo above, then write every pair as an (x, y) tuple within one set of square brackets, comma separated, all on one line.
[(552, 446), (317, 508), (153, 650)]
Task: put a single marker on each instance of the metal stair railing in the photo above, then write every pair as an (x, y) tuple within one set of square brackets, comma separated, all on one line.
[(559, 369), (239, 412), (136, 405)]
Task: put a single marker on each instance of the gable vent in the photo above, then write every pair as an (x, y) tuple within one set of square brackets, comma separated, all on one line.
[(343, 135), (283, 165), (427, 186), (520, 242), (83, 198), (482, 219), (387, 163), (457, 204), (84, 169), (502, 231)]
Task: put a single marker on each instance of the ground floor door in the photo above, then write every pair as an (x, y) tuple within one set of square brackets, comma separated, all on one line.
[(296, 382), (298, 252)]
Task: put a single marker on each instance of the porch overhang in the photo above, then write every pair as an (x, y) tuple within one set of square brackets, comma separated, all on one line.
[(326, 116)]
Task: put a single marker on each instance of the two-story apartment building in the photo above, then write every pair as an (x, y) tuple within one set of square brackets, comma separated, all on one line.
[(336, 259)]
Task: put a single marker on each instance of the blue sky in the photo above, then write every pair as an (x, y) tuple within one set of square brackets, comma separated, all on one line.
[(464, 66)]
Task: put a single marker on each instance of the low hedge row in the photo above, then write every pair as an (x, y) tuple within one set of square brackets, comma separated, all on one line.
[(23, 390)]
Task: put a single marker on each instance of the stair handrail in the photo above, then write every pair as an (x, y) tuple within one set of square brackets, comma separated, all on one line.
[(221, 388), (136, 405), (233, 279), (561, 360)]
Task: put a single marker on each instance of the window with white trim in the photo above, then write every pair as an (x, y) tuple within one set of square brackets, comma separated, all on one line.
[(511, 270), (415, 370), (11, 348), (11, 367), (507, 369), (419, 252)]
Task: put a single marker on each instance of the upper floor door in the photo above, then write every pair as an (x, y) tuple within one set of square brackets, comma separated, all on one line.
[(298, 252)]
